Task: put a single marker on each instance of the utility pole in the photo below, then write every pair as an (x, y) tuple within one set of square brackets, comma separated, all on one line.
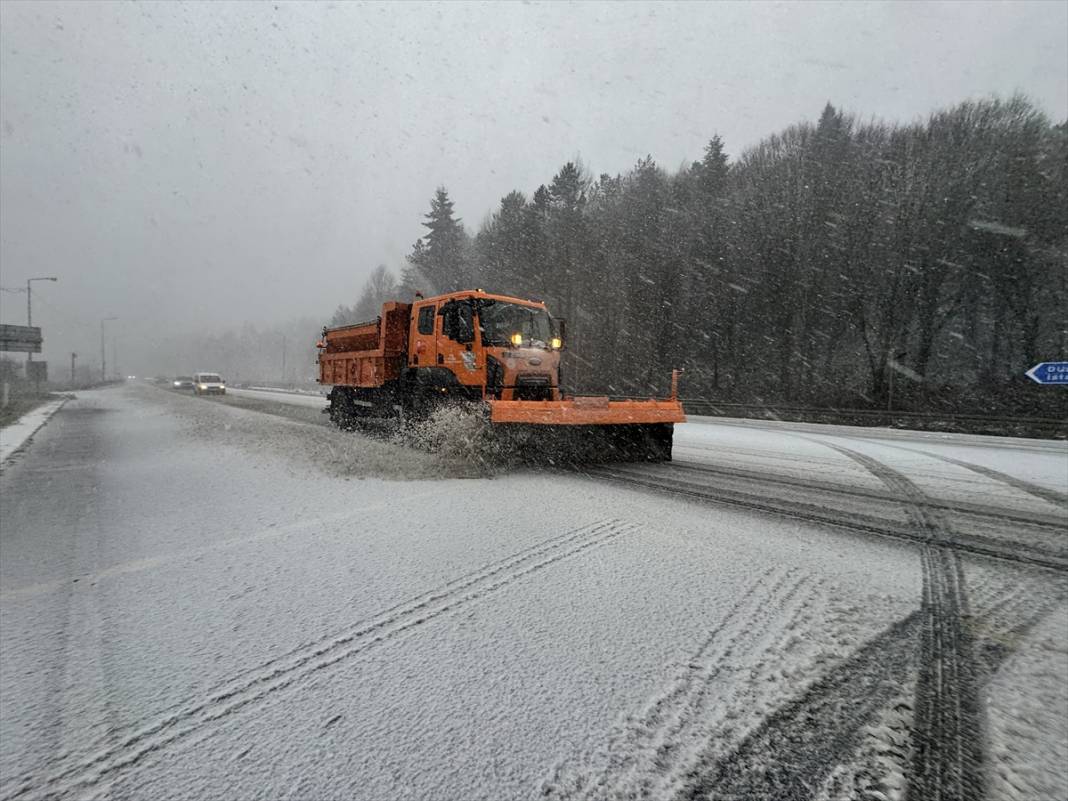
[(73, 356), (103, 350), (283, 359)]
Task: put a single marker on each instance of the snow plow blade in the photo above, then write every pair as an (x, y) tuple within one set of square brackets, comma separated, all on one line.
[(595, 429), (587, 412)]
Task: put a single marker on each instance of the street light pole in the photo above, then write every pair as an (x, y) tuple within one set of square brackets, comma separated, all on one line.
[(103, 351), (29, 309)]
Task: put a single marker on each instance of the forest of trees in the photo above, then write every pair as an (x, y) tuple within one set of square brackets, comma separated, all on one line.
[(816, 268)]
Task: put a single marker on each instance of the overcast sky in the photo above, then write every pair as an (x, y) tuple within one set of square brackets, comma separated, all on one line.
[(198, 165)]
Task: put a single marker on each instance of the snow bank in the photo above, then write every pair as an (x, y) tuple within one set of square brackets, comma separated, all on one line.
[(16, 435)]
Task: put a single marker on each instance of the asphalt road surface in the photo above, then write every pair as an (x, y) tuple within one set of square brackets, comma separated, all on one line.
[(225, 598)]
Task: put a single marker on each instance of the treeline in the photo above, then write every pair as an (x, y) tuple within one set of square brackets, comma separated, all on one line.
[(832, 264)]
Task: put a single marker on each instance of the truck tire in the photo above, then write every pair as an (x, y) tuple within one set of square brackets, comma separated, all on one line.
[(342, 408)]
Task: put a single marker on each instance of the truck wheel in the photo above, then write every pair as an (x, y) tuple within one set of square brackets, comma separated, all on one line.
[(342, 412)]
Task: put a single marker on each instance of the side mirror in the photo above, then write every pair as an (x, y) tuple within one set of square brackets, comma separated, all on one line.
[(561, 332)]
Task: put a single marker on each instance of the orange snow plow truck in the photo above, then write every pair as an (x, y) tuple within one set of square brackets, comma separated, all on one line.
[(499, 353)]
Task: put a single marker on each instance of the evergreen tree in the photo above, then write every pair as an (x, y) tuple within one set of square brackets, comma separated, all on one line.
[(415, 277), (441, 260)]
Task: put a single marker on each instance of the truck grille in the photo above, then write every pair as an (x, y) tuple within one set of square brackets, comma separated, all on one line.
[(533, 387)]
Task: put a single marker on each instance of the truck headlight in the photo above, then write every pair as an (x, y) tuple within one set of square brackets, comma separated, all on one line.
[(556, 343), (517, 339)]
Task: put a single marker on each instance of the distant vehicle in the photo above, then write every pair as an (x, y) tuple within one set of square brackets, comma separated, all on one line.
[(183, 382), (208, 384)]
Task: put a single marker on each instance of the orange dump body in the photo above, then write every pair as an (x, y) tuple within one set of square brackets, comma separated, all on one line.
[(366, 354)]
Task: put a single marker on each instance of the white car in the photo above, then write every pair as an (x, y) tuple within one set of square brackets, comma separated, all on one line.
[(208, 384)]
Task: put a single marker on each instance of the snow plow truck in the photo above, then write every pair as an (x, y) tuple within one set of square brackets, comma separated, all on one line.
[(497, 354)]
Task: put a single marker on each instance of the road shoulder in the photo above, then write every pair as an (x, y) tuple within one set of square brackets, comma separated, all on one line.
[(16, 436)]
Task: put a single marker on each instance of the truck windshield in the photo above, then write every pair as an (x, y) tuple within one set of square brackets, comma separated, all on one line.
[(499, 320), (210, 378)]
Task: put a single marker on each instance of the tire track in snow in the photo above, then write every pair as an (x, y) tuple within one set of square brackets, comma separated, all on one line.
[(450, 587), (795, 749), (804, 483), (799, 747), (948, 751), (649, 755), (1004, 610), (1037, 490), (997, 548), (254, 685)]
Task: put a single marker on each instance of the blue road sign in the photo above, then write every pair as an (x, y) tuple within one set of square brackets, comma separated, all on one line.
[(1049, 373)]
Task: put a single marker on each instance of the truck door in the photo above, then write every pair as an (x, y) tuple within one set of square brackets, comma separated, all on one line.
[(424, 335), (458, 348)]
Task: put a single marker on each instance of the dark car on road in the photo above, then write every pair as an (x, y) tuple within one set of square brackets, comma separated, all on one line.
[(183, 382)]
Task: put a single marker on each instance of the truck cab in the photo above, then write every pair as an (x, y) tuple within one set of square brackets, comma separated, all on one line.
[(482, 346)]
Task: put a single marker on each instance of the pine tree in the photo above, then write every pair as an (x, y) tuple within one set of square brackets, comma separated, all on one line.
[(442, 260), (566, 225), (414, 276)]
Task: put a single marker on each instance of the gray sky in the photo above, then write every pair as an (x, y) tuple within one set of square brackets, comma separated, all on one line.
[(199, 165)]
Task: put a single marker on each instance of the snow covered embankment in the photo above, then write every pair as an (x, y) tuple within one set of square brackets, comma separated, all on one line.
[(16, 435)]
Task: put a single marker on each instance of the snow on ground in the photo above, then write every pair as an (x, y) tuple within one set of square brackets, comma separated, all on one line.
[(952, 467), (757, 449), (15, 436), (194, 603), (902, 436), (315, 447), (948, 481), (315, 401), (1027, 704), (803, 449), (880, 768)]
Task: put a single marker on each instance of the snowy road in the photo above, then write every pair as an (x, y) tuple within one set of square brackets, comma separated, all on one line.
[(201, 600), (280, 396)]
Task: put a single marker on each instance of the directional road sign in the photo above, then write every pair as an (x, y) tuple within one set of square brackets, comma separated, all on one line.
[(20, 338), (1049, 373)]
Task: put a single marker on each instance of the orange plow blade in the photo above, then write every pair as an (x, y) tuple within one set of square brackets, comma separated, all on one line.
[(587, 412), (583, 430)]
